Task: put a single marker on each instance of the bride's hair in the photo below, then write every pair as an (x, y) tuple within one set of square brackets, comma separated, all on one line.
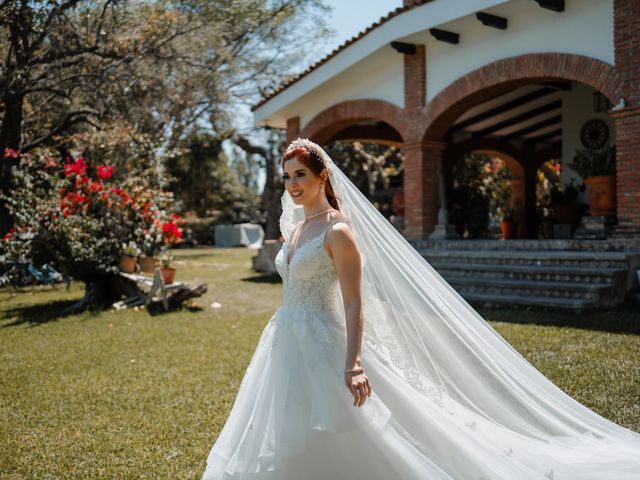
[(312, 160)]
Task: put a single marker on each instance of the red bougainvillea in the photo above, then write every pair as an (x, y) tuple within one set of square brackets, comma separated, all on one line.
[(9, 152), (80, 215), (105, 173), (171, 232), (8, 235), (79, 167)]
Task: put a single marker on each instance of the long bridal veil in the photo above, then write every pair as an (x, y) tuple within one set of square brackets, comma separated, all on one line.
[(443, 349)]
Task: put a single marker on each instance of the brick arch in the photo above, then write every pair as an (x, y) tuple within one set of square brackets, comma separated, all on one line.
[(328, 123), (504, 75)]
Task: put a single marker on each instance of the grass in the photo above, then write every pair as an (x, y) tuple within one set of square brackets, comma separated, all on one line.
[(128, 395)]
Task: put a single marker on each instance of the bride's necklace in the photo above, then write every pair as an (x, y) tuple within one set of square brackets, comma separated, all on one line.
[(318, 214)]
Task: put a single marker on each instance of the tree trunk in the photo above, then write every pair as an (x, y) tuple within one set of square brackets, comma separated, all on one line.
[(271, 192), (102, 291), (9, 138), (271, 200)]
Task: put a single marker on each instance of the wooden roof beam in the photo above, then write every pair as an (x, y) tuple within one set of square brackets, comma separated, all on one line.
[(544, 137), (493, 21), (505, 107), (406, 48), (445, 35), (553, 5), (523, 117), (532, 128)]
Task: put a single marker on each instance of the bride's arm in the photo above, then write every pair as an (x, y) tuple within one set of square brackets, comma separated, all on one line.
[(346, 260)]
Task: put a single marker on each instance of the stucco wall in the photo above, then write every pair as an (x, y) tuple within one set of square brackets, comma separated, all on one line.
[(584, 28)]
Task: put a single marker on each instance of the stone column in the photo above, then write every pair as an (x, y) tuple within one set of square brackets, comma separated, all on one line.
[(415, 81), (422, 161), (626, 115), (293, 128), (627, 139)]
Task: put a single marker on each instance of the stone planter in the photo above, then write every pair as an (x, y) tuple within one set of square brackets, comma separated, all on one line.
[(128, 264), (264, 262)]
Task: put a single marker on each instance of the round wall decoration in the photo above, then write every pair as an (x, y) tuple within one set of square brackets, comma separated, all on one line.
[(594, 134)]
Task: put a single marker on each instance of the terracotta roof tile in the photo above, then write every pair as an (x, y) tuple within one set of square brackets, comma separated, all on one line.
[(287, 83)]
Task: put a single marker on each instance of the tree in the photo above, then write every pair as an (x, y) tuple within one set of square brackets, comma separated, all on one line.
[(76, 215), (270, 155), (370, 166), (159, 66), (203, 181), (481, 191)]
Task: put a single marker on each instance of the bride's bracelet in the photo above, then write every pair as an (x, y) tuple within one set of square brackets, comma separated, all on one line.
[(356, 371)]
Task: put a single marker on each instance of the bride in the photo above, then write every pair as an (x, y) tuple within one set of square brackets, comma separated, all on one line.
[(375, 368)]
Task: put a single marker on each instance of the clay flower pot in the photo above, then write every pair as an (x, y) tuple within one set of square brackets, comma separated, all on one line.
[(602, 194), (147, 264), (128, 264), (168, 274), (508, 229)]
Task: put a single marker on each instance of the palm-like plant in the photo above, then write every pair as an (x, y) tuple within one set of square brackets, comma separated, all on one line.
[(594, 163)]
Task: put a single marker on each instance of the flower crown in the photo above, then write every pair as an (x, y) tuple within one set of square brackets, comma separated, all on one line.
[(311, 147)]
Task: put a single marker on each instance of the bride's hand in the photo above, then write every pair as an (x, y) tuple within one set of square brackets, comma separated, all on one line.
[(359, 386)]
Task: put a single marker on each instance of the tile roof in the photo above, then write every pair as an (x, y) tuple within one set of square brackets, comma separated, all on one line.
[(287, 83)]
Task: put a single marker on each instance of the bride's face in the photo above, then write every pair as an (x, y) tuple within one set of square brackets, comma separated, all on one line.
[(300, 181)]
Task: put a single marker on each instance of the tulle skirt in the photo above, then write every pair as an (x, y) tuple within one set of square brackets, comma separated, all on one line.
[(294, 419)]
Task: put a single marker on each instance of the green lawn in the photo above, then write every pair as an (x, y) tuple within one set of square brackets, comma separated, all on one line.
[(128, 395)]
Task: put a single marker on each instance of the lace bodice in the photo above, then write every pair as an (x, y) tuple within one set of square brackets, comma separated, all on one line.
[(309, 280)]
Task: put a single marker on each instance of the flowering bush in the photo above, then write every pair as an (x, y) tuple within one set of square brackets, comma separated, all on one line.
[(496, 187), (77, 215), (548, 187), (130, 249)]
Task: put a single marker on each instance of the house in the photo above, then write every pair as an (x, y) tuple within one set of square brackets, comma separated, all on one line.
[(527, 80)]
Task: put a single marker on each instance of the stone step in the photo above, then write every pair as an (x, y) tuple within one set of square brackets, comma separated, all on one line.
[(583, 274), (533, 258), (491, 300), (599, 292), (631, 244), (602, 275), (626, 232)]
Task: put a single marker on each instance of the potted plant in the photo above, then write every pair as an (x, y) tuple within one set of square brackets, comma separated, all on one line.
[(508, 225), (129, 259), (167, 271), (147, 264), (597, 169), (565, 205), (152, 244)]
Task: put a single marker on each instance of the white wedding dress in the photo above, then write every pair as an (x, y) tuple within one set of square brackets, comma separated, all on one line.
[(293, 417), (451, 400)]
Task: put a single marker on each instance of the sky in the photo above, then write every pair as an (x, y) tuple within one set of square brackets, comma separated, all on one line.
[(349, 17)]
